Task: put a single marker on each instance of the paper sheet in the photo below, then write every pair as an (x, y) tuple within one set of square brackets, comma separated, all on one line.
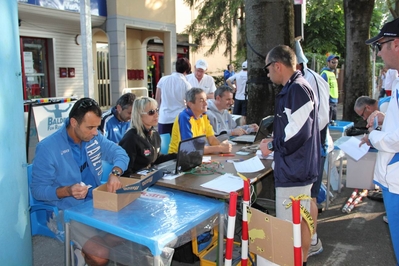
[(206, 159), (251, 165), (351, 148), (226, 183), (170, 176)]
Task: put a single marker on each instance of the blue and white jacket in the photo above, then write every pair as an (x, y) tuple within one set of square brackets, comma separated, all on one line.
[(111, 127), (54, 165), (386, 142), (296, 134)]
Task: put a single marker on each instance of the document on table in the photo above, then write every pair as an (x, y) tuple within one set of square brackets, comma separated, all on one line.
[(351, 148), (226, 183), (251, 165)]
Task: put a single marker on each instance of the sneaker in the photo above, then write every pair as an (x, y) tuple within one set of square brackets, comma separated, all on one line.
[(315, 249), (385, 218)]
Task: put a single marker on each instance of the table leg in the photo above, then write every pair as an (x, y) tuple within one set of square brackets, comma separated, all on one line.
[(340, 172), (221, 239), (329, 163), (157, 260), (67, 245)]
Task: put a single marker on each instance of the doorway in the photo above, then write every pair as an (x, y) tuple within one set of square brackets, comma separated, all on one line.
[(35, 68)]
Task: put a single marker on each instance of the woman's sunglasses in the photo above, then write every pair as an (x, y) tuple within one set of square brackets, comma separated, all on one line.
[(151, 112)]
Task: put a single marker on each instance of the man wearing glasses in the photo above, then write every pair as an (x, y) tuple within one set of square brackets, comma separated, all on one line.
[(386, 140), (68, 166), (328, 74), (296, 137)]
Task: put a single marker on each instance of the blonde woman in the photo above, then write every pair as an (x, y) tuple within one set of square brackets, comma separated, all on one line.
[(142, 142)]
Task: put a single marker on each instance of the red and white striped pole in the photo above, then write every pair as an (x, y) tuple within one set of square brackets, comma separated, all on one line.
[(296, 218), (244, 239), (230, 228)]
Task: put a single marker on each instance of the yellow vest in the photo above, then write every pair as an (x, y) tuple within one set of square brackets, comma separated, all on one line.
[(332, 81)]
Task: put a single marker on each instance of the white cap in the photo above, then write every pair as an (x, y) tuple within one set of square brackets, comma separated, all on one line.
[(300, 56), (244, 65), (201, 64)]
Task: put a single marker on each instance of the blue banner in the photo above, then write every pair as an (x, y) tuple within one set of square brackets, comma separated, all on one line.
[(98, 7)]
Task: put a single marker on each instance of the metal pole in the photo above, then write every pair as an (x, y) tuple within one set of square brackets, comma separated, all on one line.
[(87, 51)]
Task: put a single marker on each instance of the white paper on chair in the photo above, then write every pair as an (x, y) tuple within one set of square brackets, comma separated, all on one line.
[(251, 165), (226, 183), (351, 148)]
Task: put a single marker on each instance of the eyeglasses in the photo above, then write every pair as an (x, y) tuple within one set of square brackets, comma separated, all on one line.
[(87, 103), (364, 109), (379, 44), (334, 62), (265, 68), (151, 112)]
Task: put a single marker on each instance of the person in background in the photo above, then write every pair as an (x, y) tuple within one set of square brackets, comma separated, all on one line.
[(296, 137), (321, 89), (170, 94), (220, 118), (365, 106), (73, 155), (240, 103), (229, 72), (199, 79), (386, 138), (390, 77), (142, 142), (116, 121), (193, 122), (328, 74)]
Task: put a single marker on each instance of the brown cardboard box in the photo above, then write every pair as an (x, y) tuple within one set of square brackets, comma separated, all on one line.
[(131, 190)]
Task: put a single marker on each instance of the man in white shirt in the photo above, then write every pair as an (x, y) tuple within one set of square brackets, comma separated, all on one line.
[(240, 103), (170, 95), (199, 79)]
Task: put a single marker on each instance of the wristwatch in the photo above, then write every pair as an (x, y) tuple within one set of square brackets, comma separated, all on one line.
[(116, 172), (270, 146)]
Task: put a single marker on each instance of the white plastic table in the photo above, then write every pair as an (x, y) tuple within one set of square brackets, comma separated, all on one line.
[(152, 223)]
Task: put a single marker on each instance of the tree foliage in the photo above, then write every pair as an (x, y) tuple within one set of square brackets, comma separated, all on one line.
[(215, 21)]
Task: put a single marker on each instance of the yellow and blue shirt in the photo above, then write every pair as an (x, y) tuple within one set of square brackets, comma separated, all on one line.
[(187, 126)]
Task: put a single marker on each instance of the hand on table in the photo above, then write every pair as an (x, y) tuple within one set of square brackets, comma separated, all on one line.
[(263, 147), (238, 131), (225, 147)]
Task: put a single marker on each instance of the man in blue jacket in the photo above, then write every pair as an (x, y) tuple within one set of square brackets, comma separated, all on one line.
[(68, 165), (296, 142)]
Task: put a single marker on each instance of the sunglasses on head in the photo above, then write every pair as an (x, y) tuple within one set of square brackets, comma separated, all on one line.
[(151, 112), (87, 103)]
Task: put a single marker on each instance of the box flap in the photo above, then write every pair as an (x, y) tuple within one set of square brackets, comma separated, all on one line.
[(142, 184)]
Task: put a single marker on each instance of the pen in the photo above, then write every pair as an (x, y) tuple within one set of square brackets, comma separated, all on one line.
[(227, 155)]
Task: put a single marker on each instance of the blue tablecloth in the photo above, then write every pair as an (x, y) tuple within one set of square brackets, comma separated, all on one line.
[(153, 220)]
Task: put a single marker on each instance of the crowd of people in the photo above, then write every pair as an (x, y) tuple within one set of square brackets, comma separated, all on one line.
[(68, 164)]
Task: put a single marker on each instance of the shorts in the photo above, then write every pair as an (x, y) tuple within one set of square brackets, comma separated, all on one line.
[(283, 198), (240, 107)]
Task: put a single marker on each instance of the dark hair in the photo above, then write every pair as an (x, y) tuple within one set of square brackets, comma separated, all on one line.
[(190, 94), (282, 54), (183, 65), (222, 89), (83, 106), (364, 100), (126, 100)]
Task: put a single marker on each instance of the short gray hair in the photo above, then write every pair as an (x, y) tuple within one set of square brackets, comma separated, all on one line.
[(364, 100), (190, 94)]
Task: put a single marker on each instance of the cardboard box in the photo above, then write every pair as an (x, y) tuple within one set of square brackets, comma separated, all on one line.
[(360, 174), (131, 190)]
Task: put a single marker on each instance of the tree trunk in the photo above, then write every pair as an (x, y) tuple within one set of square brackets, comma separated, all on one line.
[(357, 72), (268, 23)]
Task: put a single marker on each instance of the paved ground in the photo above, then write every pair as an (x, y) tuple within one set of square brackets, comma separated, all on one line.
[(358, 238)]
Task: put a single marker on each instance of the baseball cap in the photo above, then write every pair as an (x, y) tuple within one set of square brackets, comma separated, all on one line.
[(244, 65), (201, 64), (390, 29), (331, 57)]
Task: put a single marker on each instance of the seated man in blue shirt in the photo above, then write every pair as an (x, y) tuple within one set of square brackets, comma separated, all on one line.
[(72, 155), (116, 121)]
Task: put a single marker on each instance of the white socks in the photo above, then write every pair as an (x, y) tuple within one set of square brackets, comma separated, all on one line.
[(314, 239)]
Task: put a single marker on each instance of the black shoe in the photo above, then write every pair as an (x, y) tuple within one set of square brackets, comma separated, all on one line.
[(376, 195)]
